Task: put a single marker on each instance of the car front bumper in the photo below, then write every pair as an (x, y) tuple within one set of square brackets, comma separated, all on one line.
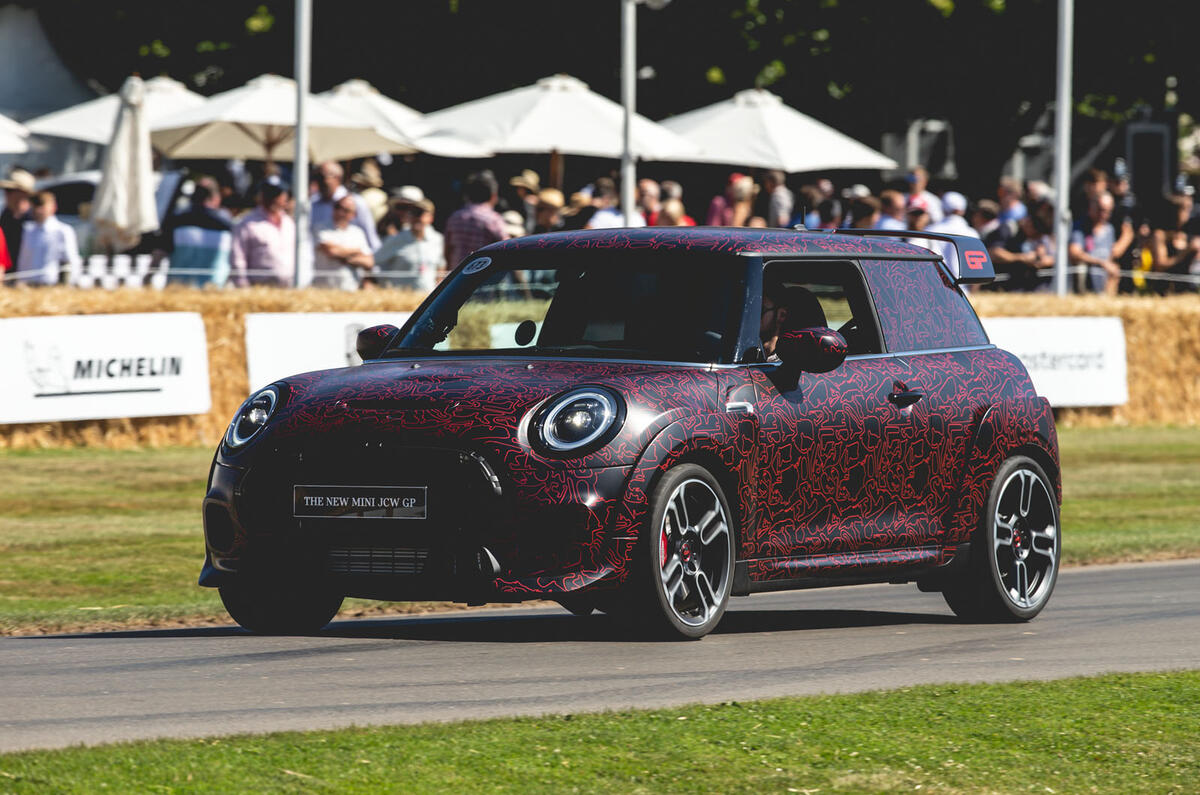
[(489, 534)]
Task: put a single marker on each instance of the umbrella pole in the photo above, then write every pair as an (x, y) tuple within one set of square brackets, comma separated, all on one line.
[(629, 102), (556, 169), (300, 160)]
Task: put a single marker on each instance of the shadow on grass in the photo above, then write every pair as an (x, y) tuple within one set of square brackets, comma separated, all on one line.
[(543, 628)]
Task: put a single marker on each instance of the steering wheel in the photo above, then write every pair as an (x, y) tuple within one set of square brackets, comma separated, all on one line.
[(850, 330)]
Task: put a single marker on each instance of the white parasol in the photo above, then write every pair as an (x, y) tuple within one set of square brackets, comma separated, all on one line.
[(755, 128), (361, 101), (257, 122), (13, 137), (94, 121), (557, 114), (124, 206)]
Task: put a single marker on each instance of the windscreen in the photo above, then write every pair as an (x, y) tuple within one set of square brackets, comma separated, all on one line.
[(639, 305)]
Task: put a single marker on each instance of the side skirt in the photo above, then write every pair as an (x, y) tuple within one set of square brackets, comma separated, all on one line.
[(929, 566)]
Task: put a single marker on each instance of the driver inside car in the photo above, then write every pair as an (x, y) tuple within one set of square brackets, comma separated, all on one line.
[(774, 313)]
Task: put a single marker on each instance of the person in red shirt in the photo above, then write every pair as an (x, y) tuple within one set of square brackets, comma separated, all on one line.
[(648, 200), (5, 259), (673, 190)]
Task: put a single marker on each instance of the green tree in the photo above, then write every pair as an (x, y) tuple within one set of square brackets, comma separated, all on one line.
[(864, 66)]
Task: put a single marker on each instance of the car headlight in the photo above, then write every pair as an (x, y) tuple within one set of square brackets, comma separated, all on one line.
[(584, 417), (252, 417)]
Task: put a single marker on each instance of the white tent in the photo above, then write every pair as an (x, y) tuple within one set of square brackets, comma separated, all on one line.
[(124, 206), (359, 100), (33, 82), (95, 121), (556, 114), (13, 137), (756, 129), (33, 79), (257, 121)]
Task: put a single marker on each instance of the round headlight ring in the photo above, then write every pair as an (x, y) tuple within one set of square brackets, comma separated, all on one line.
[(579, 419), (255, 412)]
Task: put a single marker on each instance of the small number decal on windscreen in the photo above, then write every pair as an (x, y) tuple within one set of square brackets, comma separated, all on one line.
[(476, 265)]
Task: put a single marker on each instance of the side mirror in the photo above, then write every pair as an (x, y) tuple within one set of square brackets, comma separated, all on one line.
[(815, 350), (374, 340)]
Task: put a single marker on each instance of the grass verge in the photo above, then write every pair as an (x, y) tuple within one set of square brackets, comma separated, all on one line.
[(1130, 494), (101, 538), (1123, 733)]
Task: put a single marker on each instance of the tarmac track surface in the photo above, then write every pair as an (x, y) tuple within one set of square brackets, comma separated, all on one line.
[(70, 689)]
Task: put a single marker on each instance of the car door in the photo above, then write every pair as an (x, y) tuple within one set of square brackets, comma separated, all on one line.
[(832, 445), (825, 483), (928, 324)]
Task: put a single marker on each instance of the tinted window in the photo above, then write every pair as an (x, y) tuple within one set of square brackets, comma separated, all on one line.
[(920, 308), (824, 294), (666, 306)]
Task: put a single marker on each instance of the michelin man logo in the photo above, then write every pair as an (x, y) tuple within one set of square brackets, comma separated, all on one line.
[(46, 369)]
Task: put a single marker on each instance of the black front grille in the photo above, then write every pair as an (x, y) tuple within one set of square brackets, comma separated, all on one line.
[(460, 485), (377, 560)]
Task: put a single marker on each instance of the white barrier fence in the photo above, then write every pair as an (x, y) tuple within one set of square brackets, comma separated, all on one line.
[(1073, 361), (279, 344), (156, 364), (89, 367)]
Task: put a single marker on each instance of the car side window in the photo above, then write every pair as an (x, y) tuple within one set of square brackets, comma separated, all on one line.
[(828, 294), (920, 308)]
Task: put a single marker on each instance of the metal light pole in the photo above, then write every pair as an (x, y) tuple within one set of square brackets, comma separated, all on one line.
[(300, 161), (629, 101), (1062, 143)]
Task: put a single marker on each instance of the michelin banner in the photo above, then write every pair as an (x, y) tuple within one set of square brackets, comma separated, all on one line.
[(279, 344), (90, 367), (1073, 361)]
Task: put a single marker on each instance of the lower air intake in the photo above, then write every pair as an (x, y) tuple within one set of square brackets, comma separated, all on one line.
[(377, 560)]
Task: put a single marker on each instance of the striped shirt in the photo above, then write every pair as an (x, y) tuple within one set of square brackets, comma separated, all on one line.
[(264, 252), (472, 227)]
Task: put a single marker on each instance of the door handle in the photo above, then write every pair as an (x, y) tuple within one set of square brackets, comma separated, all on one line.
[(904, 399)]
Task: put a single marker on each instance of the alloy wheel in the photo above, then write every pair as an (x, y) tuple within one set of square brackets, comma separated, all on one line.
[(693, 553), (1025, 541)]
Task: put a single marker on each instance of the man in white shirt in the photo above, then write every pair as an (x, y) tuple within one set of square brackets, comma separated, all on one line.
[(954, 206), (415, 256), (47, 244), (609, 216), (330, 191), (342, 251), (918, 182), (780, 199), (892, 211)]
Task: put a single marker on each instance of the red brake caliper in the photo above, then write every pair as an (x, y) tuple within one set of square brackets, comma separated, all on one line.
[(662, 544)]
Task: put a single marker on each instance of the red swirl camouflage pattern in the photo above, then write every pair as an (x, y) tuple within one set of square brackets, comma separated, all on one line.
[(881, 465)]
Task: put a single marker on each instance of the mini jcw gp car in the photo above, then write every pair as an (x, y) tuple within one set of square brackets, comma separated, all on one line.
[(649, 422)]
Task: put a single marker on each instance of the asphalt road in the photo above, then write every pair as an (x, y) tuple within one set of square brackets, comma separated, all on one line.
[(70, 689)]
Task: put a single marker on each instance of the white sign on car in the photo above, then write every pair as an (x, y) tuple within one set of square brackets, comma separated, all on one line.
[(279, 344), (87, 367), (1073, 361)]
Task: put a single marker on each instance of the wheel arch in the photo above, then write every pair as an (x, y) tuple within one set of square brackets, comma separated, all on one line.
[(1046, 462), (1011, 427), (725, 477), (722, 445)]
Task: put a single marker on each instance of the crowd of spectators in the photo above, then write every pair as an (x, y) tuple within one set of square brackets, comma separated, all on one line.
[(362, 236)]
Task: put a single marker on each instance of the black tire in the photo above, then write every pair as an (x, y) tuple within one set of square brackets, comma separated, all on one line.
[(1011, 580), (279, 608), (700, 595)]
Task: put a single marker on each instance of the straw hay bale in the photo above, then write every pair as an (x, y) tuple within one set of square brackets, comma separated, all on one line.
[(1162, 338), (1162, 349), (223, 312)]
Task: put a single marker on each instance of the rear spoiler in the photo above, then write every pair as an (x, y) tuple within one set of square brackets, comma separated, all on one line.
[(974, 262)]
